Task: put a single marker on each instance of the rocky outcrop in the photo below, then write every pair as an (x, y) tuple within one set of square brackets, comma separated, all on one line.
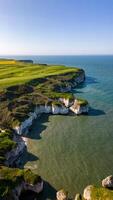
[(68, 88), (97, 193), (72, 105), (53, 109), (80, 78), (14, 181), (59, 110), (26, 124), (90, 193), (26, 186), (74, 82), (87, 192), (12, 157), (67, 101), (78, 197), (79, 109), (108, 182), (62, 195)]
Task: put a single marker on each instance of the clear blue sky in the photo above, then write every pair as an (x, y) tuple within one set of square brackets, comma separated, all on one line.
[(56, 27)]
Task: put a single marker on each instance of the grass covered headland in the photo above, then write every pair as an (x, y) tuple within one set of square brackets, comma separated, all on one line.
[(14, 72), (24, 85)]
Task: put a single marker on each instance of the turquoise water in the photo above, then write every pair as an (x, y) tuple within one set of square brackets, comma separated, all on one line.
[(71, 152)]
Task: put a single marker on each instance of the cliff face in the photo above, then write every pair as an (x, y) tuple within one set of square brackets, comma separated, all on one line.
[(53, 109), (66, 105), (80, 78), (72, 83), (79, 109), (13, 181), (59, 110), (69, 105), (16, 192), (67, 102), (13, 156)]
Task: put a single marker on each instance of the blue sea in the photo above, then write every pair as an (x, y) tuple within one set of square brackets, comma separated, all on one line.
[(72, 152)]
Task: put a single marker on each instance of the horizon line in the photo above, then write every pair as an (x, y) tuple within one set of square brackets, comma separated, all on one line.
[(56, 55)]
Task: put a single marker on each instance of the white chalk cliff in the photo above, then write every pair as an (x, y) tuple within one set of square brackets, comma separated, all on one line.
[(78, 109), (12, 157), (66, 106), (53, 109)]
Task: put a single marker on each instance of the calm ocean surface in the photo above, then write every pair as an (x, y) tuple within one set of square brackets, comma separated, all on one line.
[(71, 152)]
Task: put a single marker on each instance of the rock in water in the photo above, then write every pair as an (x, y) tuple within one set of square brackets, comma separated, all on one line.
[(87, 192), (78, 197), (108, 182), (62, 195)]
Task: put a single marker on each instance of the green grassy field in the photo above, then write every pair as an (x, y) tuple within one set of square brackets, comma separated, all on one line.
[(15, 72)]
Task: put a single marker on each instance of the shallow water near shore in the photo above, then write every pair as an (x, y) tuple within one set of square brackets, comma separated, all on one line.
[(72, 152)]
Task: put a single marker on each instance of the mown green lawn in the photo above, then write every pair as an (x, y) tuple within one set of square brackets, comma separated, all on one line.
[(18, 73)]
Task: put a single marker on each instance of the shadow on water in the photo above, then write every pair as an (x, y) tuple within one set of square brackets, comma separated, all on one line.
[(38, 126), (95, 112), (26, 157), (48, 192), (89, 80)]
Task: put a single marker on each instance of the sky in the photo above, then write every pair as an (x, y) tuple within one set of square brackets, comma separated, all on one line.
[(56, 27)]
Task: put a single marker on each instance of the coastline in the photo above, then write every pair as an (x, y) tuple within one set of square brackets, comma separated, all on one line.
[(60, 105), (91, 199)]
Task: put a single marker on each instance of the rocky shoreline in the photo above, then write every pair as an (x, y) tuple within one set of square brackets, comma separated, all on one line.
[(68, 106), (105, 192), (13, 156)]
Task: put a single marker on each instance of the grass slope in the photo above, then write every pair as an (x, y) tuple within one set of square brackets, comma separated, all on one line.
[(15, 72)]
